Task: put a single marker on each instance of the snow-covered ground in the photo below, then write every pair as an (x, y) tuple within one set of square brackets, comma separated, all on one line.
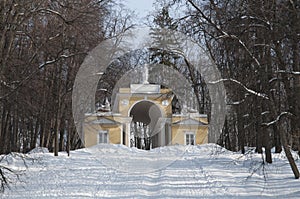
[(115, 171)]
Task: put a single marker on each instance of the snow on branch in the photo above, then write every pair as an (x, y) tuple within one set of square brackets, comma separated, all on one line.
[(4, 83), (277, 119), (237, 102), (55, 60), (288, 72), (263, 95), (10, 85)]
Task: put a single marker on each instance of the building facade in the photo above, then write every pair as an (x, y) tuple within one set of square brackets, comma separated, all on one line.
[(143, 118)]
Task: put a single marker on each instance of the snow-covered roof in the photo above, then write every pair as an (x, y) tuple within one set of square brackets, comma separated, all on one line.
[(102, 114), (104, 120), (145, 88), (190, 114), (189, 121)]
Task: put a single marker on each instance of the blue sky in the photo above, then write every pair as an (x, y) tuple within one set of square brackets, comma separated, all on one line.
[(141, 7)]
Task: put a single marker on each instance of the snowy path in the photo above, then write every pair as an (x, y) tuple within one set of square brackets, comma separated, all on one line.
[(113, 171)]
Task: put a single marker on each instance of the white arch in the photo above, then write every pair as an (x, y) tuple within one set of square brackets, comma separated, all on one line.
[(146, 100)]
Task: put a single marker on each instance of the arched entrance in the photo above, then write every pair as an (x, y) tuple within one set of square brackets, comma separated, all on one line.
[(145, 128)]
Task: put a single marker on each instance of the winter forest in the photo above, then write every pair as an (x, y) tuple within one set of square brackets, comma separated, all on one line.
[(255, 45)]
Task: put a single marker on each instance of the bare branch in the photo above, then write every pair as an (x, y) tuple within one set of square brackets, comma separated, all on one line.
[(224, 34), (35, 72)]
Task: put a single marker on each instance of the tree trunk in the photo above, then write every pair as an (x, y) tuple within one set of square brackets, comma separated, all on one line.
[(56, 137), (267, 144), (283, 134), (278, 145), (61, 135), (241, 132), (259, 133), (68, 137)]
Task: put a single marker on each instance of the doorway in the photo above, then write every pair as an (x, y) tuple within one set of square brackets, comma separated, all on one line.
[(145, 130)]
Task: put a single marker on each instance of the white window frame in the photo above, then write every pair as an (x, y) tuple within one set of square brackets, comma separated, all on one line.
[(189, 133), (101, 133)]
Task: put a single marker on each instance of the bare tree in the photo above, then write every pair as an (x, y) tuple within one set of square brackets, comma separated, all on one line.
[(43, 44)]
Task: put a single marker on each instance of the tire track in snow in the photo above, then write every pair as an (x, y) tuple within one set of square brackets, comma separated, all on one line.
[(194, 175), (215, 186)]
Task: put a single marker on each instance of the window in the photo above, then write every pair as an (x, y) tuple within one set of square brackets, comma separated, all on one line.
[(190, 138), (103, 137), (165, 103)]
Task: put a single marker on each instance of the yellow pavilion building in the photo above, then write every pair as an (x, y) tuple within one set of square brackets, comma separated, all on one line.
[(143, 118)]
